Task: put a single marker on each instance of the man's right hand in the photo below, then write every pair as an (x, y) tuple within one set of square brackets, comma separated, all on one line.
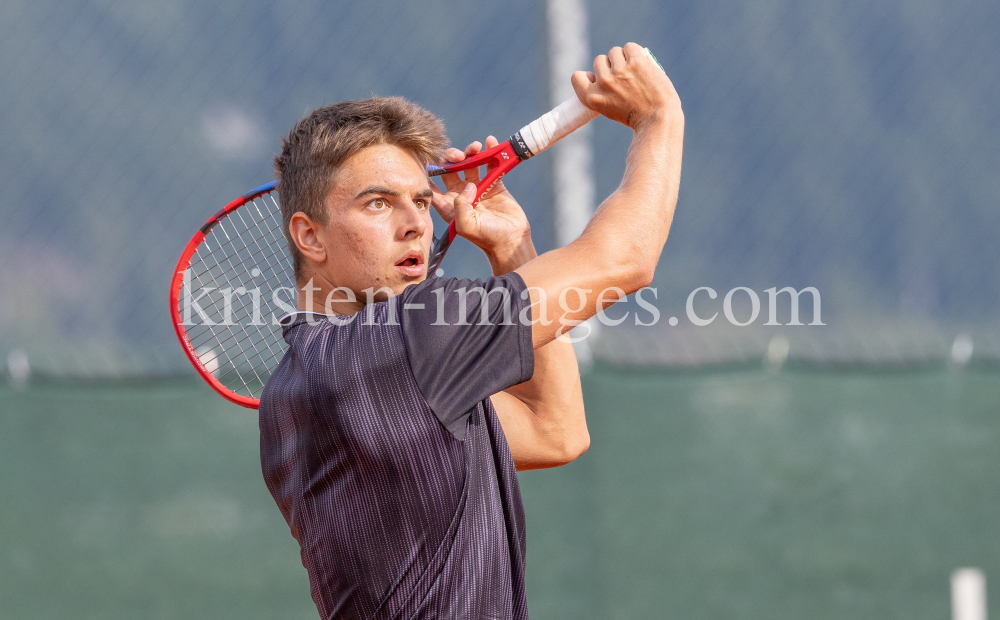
[(626, 86)]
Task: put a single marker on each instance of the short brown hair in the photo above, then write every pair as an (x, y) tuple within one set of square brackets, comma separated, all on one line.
[(321, 141)]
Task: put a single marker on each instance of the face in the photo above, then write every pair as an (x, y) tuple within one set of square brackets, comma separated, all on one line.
[(379, 230)]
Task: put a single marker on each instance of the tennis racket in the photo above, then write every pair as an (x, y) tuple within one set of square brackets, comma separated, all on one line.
[(234, 279)]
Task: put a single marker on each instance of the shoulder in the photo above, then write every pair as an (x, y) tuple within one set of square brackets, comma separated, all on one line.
[(511, 281), (322, 339), (444, 297)]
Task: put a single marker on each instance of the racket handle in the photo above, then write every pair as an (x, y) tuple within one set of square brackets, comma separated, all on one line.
[(553, 126), (556, 124)]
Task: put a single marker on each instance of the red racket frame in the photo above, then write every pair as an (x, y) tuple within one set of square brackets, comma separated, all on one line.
[(178, 281)]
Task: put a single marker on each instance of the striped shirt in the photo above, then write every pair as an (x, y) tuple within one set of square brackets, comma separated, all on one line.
[(382, 449)]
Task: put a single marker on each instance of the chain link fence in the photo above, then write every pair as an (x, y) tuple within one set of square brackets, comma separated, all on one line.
[(841, 146)]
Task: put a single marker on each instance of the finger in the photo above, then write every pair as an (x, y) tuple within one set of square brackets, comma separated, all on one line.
[(472, 175), (443, 204), (497, 188), (633, 51), (464, 216), (452, 181), (617, 58), (468, 193), (582, 81), (454, 155), (602, 67), (491, 141)]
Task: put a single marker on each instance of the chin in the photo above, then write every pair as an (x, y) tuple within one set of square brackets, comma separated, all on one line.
[(406, 281), (403, 278)]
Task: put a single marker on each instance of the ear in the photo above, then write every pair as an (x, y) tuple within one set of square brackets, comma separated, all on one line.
[(305, 234)]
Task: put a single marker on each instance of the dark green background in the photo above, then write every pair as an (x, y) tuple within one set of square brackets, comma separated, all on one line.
[(706, 494)]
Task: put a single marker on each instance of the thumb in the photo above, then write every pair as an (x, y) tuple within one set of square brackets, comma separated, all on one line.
[(464, 211), (582, 81)]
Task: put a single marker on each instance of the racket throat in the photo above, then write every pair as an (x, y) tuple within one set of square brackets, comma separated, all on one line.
[(498, 160), (520, 147)]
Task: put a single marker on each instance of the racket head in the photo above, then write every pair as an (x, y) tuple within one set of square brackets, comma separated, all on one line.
[(235, 272), (223, 291)]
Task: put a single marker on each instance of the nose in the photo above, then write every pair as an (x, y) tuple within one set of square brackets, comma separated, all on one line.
[(412, 221)]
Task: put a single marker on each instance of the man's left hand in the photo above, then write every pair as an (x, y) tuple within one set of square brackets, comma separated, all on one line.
[(497, 224)]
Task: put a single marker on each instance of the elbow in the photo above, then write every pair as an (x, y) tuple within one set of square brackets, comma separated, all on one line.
[(642, 276), (642, 262), (571, 448), (632, 272), (555, 452), (580, 446)]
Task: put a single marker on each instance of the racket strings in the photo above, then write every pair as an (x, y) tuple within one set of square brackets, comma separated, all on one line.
[(240, 343), (241, 348), (226, 339), (265, 254)]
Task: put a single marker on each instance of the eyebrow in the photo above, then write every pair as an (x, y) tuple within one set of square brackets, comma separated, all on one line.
[(387, 191)]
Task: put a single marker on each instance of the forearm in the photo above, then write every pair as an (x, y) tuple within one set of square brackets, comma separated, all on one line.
[(622, 243), (629, 230)]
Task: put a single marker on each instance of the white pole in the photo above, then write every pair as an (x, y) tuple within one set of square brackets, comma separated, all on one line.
[(568, 52), (968, 594), (573, 186)]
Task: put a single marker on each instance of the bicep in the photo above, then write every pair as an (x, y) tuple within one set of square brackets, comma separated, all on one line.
[(566, 286)]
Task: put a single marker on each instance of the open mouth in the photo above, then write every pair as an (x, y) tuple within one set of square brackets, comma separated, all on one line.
[(412, 264)]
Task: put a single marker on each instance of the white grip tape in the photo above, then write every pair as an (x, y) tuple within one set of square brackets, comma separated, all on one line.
[(554, 125), (564, 119)]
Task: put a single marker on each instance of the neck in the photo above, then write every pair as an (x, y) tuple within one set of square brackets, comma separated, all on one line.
[(318, 294)]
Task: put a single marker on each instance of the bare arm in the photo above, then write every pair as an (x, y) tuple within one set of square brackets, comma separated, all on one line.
[(622, 244)]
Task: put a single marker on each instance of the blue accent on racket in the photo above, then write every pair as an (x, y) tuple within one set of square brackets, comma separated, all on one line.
[(262, 189)]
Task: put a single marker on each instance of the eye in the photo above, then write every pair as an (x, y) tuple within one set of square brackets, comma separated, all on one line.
[(378, 204), (421, 203)]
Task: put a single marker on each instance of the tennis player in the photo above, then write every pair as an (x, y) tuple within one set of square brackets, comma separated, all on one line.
[(392, 430)]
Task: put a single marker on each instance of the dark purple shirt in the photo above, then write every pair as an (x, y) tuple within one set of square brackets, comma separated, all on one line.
[(382, 449)]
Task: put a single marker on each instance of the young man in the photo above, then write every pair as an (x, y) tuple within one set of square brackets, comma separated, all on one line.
[(391, 430)]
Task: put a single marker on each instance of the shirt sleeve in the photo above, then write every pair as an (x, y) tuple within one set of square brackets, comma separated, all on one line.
[(466, 340)]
